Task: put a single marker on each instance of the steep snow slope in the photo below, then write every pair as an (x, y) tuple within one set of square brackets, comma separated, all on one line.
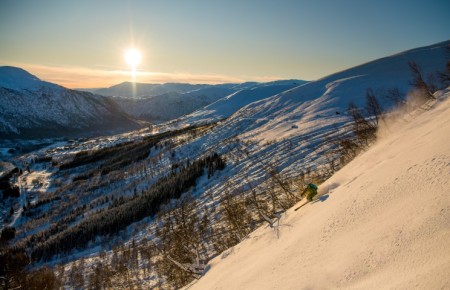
[(293, 127), (30, 107), (381, 222), (248, 93)]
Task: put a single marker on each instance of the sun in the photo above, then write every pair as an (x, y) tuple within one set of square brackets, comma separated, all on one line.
[(133, 57)]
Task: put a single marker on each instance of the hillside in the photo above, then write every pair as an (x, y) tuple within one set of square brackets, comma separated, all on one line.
[(138, 90), (145, 90), (381, 222), (100, 198), (171, 105), (328, 98), (227, 106), (181, 99), (19, 79), (31, 108)]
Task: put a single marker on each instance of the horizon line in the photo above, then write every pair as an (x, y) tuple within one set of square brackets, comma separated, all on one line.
[(87, 78)]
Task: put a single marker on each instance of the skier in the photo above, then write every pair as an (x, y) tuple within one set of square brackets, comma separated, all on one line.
[(311, 189)]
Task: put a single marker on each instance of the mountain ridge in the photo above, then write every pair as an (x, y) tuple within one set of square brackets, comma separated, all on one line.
[(137, 89), (31, 108), (187, 98), (16, 78)]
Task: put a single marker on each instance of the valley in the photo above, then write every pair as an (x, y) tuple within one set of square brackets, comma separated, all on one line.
[(160, 205)]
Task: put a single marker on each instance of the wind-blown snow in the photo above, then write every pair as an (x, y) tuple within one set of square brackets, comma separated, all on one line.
[(383, 221)]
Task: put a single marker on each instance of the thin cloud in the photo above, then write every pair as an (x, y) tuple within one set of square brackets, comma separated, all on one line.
[(82, 77)]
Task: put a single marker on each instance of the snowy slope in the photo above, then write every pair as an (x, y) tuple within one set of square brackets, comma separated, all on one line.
[(30, 107), (171, 105), (320, 106), (293, 126), (226, 99), (19, 79), (247, 93), (382, 222)]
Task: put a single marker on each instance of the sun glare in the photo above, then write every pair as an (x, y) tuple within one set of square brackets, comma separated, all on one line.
[(133, 57)]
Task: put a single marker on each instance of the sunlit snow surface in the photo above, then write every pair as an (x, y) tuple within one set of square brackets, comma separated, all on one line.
[(288, 128), (381, 222)]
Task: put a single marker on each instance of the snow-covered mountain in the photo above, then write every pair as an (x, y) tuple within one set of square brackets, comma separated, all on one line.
[(297, 111), (171, 105), (145, 90), (382, 222), (227, 99), (138, 90), (32, 108), (15, 78), (247, 93), (351, 238)]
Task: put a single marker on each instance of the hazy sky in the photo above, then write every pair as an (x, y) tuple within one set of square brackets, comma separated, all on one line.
[(82, 43)]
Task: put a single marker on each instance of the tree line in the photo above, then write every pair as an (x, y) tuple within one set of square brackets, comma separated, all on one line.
[(117, 218)]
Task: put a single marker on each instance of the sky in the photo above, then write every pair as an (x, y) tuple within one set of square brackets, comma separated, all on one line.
[(81, 44)]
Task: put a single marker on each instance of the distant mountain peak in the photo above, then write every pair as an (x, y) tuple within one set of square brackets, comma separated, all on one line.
[(19, 79), (16, 72), (32, 108)]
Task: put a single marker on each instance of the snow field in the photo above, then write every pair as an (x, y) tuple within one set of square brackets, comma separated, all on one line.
[(382, 222)]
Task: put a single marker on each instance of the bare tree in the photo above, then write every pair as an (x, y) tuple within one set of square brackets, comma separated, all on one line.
[(236, 218), (44, 278), (444, 77), (76, 274), (418, 82), (363, 129), (373, 107), (182, 235), (395, 96), (12, 267)]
